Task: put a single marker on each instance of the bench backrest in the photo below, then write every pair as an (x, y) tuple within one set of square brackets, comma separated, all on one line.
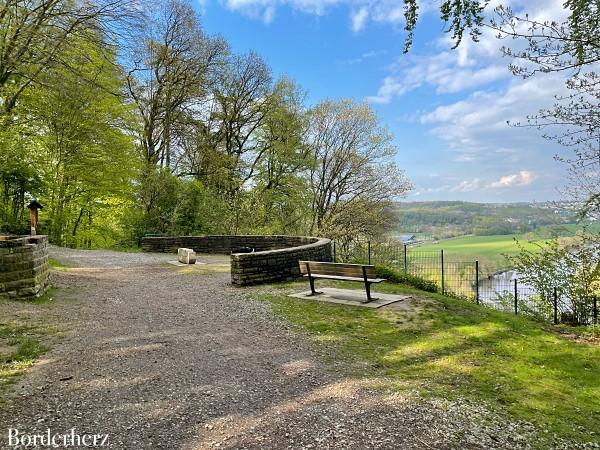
[(337, 269)]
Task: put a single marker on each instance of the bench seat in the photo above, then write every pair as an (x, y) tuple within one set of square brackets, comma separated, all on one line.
[(344, 278), (338, 271)]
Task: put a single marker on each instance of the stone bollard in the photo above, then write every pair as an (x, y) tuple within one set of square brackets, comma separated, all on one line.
[(186, 256)]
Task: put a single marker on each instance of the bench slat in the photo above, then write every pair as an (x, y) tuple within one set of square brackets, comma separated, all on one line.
[(348, 270), (338, 277)]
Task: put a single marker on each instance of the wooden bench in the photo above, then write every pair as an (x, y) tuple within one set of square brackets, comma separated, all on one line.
[(337, 271)]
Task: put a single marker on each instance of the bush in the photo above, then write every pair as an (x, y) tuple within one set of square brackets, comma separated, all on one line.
[(396, 276)]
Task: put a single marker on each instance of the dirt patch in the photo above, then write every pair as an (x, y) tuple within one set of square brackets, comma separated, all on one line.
[(5, 349)]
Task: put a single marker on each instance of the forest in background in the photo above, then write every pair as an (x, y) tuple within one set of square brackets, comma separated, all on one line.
[(124, 122), (446, 219)]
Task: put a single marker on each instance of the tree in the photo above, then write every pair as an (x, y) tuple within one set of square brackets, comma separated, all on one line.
[(278, 203), (83, 133), (572, 268), (170, 73), (35, 33), (227, 149), (353, 180), (19, 178)]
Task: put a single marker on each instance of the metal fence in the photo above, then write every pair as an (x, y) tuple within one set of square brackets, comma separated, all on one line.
[(499, 289)]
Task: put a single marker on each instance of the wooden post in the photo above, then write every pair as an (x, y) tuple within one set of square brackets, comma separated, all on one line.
[(34, 207)]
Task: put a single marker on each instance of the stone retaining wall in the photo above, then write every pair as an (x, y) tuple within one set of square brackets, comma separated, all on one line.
[(275, 257), (23, 266)]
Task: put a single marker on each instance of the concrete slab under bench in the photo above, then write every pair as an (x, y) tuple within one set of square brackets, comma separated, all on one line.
[(350, 297)]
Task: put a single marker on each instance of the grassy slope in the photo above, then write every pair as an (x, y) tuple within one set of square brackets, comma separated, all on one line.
[(452, 348), (488, 249)]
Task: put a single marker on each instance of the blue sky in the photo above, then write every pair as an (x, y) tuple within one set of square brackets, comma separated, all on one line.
[(447, 109)]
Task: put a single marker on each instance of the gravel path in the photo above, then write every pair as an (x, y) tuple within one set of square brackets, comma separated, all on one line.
[(161, 359)]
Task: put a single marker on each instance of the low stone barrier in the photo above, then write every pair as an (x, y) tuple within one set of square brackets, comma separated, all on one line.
[(23, 265), (275, 258)]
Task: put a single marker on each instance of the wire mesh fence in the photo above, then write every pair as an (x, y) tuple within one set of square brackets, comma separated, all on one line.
[(499, 289)]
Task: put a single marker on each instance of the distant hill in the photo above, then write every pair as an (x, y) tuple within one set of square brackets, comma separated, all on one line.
[(443, 219)]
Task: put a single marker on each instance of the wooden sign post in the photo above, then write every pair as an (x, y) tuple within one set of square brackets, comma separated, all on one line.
[(34, 207)]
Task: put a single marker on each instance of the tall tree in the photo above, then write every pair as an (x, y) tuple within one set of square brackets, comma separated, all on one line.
[(35, 33), (84, 137), (170, 72), (279, 199), (353, 180)]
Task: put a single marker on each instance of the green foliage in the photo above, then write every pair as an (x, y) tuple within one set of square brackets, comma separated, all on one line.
[(446, 348), (181, 136), (74, 151), (573, 269), (396, 276), (448, 219), (460, 16)]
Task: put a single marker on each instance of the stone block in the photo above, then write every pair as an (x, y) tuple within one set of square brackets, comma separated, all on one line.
[(186, 256)]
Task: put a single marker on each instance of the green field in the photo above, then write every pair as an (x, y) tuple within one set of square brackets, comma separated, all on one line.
[(490, 249), (487, 249)]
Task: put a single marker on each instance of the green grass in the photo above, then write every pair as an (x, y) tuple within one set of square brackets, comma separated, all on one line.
[(487, 249), (450, 348), (56, 264), (23, 340), (21, 345)]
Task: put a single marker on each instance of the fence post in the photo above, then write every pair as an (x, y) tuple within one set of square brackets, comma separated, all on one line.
[(369, 245), (555, 295), (595, 310), (516, 297), (443, 284), (334, 255), (405, 261), (477, 282)]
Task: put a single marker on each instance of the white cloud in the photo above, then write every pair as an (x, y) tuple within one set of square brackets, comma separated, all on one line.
[(476, 128), (363, 57), (471, 65), (445, 71), (523, 178), (467, 186), (386, 11), (265, 9), (359, 19), (268, 14), (383, 11)]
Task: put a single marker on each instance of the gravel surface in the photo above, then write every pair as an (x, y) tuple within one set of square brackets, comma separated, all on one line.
[(161, 359)]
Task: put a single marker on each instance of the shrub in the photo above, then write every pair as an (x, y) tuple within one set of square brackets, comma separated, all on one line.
[(396, 276)]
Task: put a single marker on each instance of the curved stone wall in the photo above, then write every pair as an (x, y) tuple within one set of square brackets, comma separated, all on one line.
[(23, 266), (275, 257)]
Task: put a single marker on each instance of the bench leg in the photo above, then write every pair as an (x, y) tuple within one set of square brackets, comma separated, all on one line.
[(368, 289), (311, 280)]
